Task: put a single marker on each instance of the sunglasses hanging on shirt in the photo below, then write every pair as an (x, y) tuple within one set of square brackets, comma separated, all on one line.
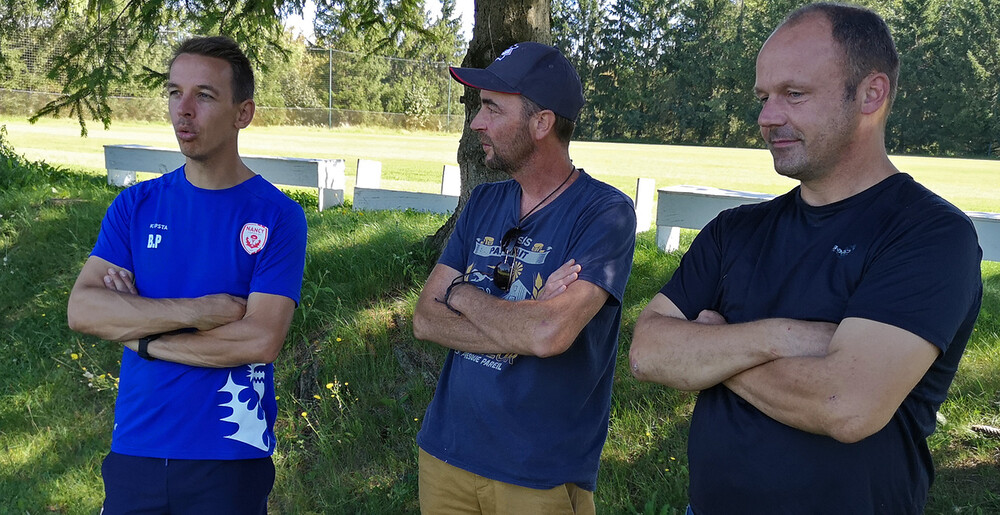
[(503, 273)]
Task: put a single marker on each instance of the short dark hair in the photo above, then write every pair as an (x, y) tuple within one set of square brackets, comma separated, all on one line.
[(865, 39), (563, 127), (222, 47)]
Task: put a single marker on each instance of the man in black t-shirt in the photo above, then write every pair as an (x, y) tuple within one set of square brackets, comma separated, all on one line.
[(822, 328)]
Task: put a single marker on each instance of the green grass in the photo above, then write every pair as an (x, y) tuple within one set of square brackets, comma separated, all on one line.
[(350, 362)]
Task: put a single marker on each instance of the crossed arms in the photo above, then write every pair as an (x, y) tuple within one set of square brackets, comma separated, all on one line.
[(842, 380), (230, 331), (543, 327)]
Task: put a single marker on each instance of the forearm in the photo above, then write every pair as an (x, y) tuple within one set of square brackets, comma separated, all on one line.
[(542, 328), (690, 356), (117, 316), (695, 355), (849, 393), (796, 392), (234, 344), (433, 321)]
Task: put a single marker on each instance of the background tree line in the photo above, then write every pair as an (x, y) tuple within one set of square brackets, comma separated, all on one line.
[(678, 72), (682, 72)]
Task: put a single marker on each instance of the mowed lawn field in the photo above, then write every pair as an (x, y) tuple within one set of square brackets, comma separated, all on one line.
[(352, 382), (413, 161)]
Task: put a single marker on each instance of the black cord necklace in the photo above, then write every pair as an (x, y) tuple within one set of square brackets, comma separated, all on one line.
[(518, 226)]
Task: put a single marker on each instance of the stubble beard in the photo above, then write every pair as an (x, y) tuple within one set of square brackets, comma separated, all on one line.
[(512, 159), (812, 158)]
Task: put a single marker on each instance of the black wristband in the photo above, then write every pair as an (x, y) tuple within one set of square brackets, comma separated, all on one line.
[(447, 293), (143, 350)]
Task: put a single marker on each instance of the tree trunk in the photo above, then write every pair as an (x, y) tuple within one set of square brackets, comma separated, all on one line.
[(498, 25)]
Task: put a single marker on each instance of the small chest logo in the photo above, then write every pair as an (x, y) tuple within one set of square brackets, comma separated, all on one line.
[(253, 237)]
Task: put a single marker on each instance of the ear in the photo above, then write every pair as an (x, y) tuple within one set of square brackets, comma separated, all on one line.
[(247, 109), (542, 124), (874, 91)]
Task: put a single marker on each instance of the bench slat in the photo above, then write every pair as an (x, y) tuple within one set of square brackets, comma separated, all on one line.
[(326, 175), (692, 207)]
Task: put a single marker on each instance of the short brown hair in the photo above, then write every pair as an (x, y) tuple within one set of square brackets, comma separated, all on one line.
[(865, 39), (563, 127), (222, 47)]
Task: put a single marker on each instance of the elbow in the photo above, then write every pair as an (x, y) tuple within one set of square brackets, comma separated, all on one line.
[(638, 356), (547, 344), (267, 351), (852, 426), (79, 322), (420, 329)]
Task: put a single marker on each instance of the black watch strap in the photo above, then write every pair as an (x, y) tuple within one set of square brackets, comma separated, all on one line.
[(143, 350)]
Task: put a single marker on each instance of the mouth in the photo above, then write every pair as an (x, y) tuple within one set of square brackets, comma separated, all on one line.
[(185, 133), (781, 143)]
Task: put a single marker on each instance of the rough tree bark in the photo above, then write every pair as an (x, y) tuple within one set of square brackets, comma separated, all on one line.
[(498, 25)]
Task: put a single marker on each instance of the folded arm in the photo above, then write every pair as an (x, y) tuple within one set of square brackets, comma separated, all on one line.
[(255, 338), (848, 394), (695, 355), (230, 331), (542, 327), (104, 303)]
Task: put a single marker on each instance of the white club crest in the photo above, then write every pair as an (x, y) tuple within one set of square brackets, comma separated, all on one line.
[(506, 52), (253, 237)]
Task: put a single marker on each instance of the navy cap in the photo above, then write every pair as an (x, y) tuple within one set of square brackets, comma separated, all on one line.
[(537, 71)]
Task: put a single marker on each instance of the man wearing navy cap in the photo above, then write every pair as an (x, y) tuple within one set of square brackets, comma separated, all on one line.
[(528, 297)]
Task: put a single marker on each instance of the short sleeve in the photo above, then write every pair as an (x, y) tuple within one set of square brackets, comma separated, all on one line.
[(604, 245), (113, 240), (694, 285), (924, 280), (282, 263)]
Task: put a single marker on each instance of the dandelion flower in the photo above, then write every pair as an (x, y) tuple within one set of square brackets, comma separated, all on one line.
[(329, 386), (74, 356), (338, 339), (316, 396), (305, 413)]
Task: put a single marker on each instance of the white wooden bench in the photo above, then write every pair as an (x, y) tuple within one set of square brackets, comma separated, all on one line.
[(326, 175), (692, 207), (369, 196)]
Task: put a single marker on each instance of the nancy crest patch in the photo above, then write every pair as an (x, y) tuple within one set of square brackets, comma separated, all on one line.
[(253, 237)]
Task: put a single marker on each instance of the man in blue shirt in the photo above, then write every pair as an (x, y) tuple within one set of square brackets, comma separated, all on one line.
[(822, 328), (527, 297), (198, 273)]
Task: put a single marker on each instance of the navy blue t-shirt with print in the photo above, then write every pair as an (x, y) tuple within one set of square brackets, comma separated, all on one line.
[(895, 253), (525, 420)]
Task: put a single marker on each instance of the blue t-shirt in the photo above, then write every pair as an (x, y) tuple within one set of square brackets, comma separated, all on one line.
[(181, 241), (895, 253), (525, 420)]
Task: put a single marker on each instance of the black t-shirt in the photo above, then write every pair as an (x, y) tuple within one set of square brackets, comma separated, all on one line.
[(895, 253)]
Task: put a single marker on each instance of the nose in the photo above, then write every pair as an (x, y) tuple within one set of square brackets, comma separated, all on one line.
[(771, 114), (477, 123), (185, 106)]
